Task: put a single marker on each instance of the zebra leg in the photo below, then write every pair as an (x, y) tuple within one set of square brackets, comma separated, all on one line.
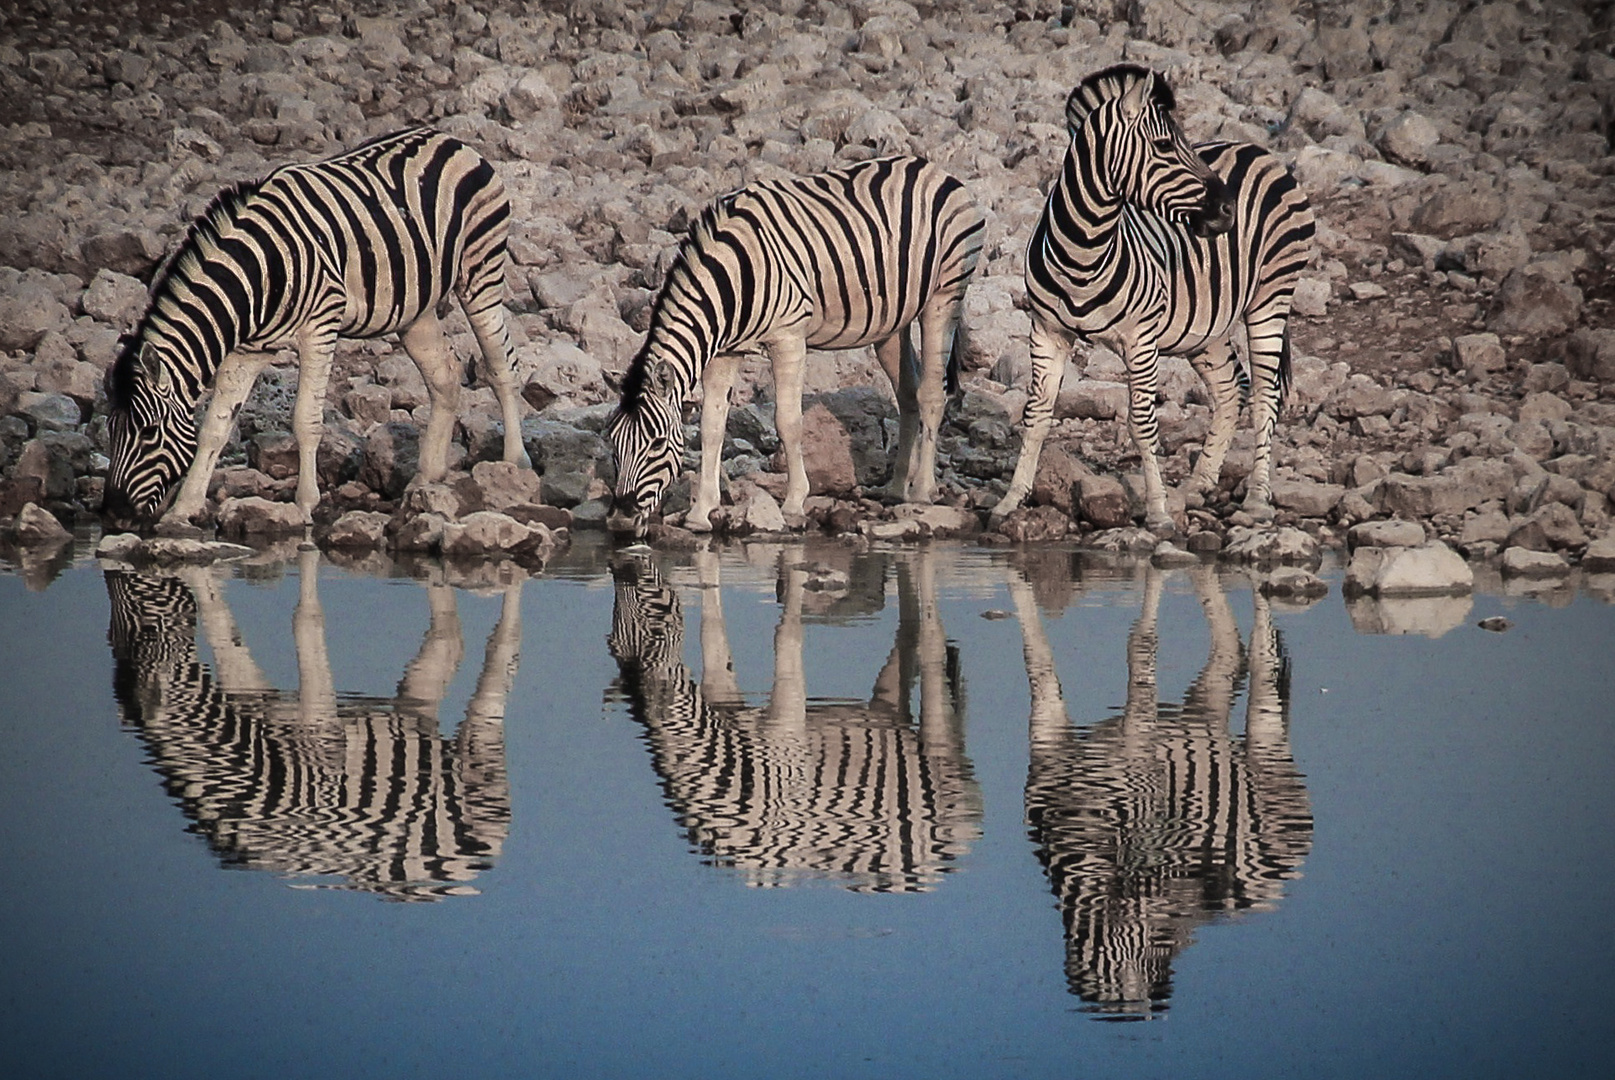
[(1217, 367), (1269, 356), (1050, 349), (717, 378), (896, 358), (488, 324), (316, 688), (232, 382), (789, 355), (424, 341), (938, 323), (1145, 427), (316, 349)]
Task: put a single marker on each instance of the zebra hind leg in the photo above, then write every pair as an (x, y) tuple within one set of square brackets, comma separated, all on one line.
[(896, 357), (424, 341), (1220, 371), (1270, 372), (488, 324)]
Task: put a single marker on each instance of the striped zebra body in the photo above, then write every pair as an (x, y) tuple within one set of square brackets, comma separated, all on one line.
[(367, 243), (836, 261), (363, 790), (1149, 246), (1158, 820)]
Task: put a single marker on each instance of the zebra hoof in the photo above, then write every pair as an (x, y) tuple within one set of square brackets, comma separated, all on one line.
[(1260, 511), (1164, 528)]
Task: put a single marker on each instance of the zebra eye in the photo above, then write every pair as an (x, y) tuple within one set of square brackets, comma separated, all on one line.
[(149, 432), (1165, 144)]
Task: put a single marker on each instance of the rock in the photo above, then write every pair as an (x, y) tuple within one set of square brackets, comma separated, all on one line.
[(1092, 399), (1427, 569), (1385, 534), (504, 484), (1552, 527), (1102, 500), (1522, 562), (1600, 556), (28, 311), (392, 456), (1059, 479), (1311, 298), (37, 527), (1168, 555), (1497, 624), (1458, 212), (758, 511), (827, 452), (1126, 541), (1307, 498), (1535, 305), (1479, 354), (940, 521), (483, 533), (115, 298), (1591, 354), (364, 529), (1032, 524), (421, 533), (119, 546), (256, 516), (1408, 138), (1271, 547), (568, 460), (188, 550)]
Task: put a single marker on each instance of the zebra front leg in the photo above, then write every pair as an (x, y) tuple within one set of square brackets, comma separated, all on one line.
[(1145, 428), (488, 325), (1050, 349), (232, 382), (896, 359), (789, 355), (1219, 370), (717, 378), (316, 349), (424, 341)]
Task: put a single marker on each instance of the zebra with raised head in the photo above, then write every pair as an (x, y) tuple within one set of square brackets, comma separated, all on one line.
[(369, 242), (840, 260), (1149, 245)]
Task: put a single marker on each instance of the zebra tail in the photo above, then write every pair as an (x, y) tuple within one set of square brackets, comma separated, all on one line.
[(956, 359), (1284, 364)]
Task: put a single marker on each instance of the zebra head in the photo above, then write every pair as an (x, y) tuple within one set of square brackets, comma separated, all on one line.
[(1128, 110), (647, 436), (153, 433)]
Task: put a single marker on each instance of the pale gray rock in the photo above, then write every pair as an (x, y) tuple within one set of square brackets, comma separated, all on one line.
[(1525, 563), (484, 533), (38, 527), (1307, 498), (1429, 568), (361, 529), (115, 298), (254, 516), (504, 484), (1479, 354), (1600, 556), (1391, 533), (1271, 547)]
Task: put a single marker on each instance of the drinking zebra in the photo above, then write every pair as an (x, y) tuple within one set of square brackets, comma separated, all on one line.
[(1158, 819), (366, 243), (1148, 245), (836, 261)]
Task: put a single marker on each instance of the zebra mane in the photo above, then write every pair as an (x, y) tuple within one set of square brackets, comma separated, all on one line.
[(635, 378), (1109, 84), (120, 380)]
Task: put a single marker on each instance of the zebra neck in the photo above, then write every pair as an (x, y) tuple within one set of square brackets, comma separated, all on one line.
[(197, 328), (1091, 208)]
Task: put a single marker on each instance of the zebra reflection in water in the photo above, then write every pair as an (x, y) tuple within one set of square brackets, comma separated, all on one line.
[(310, 782), (1158, 820), (871, 794)]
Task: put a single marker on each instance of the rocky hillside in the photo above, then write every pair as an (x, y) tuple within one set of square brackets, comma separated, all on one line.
[(1456, 354)]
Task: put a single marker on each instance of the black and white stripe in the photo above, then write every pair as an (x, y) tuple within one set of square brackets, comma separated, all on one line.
[(1149, 245), (836, 261), (367, 243)]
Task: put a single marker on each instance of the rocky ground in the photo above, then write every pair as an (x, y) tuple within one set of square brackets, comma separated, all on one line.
[(1455, 354)]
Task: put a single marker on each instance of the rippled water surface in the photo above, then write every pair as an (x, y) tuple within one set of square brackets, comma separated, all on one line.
[(798, 811)]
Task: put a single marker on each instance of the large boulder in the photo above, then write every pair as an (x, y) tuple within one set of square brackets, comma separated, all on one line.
[(1429, 569)]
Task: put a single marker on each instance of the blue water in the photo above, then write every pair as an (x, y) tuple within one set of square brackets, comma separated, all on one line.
[(1448, 913)]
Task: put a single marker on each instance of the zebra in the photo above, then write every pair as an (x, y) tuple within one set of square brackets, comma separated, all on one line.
[(369, 242), (1157, 820), (1149, 245), (875, 795), (840, 260), (363, 791)]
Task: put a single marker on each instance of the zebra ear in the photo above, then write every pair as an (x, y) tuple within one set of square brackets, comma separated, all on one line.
[(156, 371), (1137, 98), (660, 379)]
